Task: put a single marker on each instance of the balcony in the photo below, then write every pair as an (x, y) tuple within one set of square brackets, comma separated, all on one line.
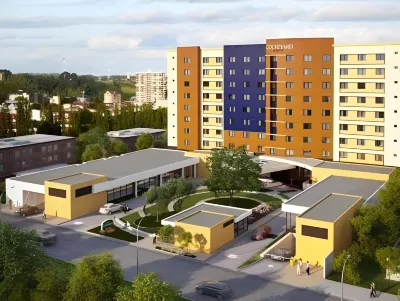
[(274, 77), (274, 64), (274, 91), (273, 117), (273, 103), (273, 130)]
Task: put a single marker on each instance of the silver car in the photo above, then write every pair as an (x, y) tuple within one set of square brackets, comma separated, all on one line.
[(110, 208), (216, 289)]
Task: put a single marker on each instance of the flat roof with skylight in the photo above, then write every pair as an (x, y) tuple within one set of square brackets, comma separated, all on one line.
[(30, 139)]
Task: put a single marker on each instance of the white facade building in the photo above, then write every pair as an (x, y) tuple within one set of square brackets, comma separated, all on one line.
[(172, 87), (112, 98), (367, 104), (151, 87), (12, 97)]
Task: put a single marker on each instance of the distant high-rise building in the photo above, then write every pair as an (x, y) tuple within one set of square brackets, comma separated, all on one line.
[(151, 87)]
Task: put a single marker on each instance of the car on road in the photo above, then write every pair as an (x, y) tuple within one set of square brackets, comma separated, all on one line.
[(46, 237), (261, 232), (216, 289), (110, 208), (27, 210)]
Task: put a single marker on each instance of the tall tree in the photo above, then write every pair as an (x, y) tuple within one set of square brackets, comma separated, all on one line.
[(24, 117), (96, 277), (232, 171), (144, 141), (92, 152), (119, 147), (389, 259), (149, 287), (18, 250)]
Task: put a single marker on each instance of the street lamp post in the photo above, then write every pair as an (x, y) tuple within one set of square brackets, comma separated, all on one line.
[(344, 264), (137, 245)]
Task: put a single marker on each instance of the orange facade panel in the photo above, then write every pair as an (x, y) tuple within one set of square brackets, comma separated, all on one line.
[(299, 91), (189, 98)]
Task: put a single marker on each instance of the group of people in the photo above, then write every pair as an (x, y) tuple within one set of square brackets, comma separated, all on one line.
[(300, 265)]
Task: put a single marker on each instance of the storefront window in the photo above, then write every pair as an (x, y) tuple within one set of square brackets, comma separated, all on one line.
[(120, 192)]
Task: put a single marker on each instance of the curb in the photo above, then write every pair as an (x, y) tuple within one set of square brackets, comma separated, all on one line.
[(120, 241), (249, 265)]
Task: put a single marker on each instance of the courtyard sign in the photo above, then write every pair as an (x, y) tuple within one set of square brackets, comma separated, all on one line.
[(106, 224), (280, 47)]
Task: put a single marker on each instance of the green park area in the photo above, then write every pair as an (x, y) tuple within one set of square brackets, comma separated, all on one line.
[(117, 233)]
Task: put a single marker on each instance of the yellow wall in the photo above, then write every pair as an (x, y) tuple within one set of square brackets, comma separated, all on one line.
[(369, 88), (319, 173), (369, 131), (201, 169), (213, 121), (343, 228), (369, 116), (220, 236), (71, 207), (212, 110), (212, 73), (197, 231), (369, 60), (213, 134), (212, 98), (212, 61), (55, 206), (352, 158), (370, 73), (313, 249), (369, 145), (369, 103), (212, 238), (213, 86)]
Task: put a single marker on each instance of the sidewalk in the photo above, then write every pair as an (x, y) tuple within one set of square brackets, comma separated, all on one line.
[(350, 292)]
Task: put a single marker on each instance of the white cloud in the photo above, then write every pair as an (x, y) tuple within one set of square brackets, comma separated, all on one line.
[(112, 42)]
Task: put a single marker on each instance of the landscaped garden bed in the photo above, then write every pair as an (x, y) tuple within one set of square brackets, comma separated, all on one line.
[(193, 199), (235, 202), (117, 233), (149, 223), (175, 251)]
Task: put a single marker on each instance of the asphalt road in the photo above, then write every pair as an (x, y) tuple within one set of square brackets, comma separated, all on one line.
[(72, 246)]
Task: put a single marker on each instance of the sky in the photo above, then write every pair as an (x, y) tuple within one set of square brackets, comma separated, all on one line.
[(127, 36)]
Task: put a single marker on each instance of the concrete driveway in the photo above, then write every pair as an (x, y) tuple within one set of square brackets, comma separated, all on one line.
[(243, 247), (95, 219)]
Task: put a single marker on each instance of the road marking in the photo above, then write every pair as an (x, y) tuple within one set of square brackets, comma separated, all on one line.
[(232, 256)]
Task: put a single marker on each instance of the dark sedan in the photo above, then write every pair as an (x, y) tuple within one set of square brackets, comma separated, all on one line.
[(27, 210), (215, 289)]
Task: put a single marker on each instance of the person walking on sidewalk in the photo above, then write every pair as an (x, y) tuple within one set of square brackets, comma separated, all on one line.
[(308, 268), (44, 216), (373, 291), (299, 268)]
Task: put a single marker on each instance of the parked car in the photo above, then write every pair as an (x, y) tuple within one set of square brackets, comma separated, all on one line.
[(282, 254), (46, 237), (110, 208), (215, 289), (27, 210), (261, 232)]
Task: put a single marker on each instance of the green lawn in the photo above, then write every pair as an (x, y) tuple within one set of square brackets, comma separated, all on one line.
[(195, 198), (370, 271), (118, 234), (149, 223), (235, 202), (128, 90)]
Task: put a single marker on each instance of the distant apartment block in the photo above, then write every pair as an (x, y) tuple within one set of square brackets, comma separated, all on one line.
[(35, 151), (2, 76), (151, 87), (130, 136), (112, 98), (367, 104)]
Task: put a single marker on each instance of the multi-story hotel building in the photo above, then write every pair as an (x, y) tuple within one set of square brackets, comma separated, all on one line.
[(367, 104), (151, 87), (275, 98)]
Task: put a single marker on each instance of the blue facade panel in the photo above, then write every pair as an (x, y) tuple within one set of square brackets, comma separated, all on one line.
[(249, 101)]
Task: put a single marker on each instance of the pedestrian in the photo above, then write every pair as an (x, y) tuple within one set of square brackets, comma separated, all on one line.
[(127, 208), (44, 216), (373, 291), (308, 268), (298, 268), (154, 239), (124, 209)]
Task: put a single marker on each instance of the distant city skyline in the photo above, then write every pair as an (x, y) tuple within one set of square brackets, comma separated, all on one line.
[(129, 36)]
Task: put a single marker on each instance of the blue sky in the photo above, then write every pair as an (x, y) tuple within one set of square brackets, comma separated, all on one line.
[(133, 35)]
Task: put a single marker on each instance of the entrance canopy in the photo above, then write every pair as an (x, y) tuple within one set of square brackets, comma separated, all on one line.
[(306, 163), (269, 166)]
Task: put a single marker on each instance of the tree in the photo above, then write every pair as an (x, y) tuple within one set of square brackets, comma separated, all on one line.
[(185, 239), (119, 147), (389, 259), (232, 171), (159, 144), (51, 283), (92, 152), (166, 234), (18, 250), (98, 136), (149, 287), (144, 141), (23, 117), (184, 187), (351, 274), (96, 277)]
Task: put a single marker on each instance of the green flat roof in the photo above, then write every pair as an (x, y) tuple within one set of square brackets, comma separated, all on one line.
[(204, 219)]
